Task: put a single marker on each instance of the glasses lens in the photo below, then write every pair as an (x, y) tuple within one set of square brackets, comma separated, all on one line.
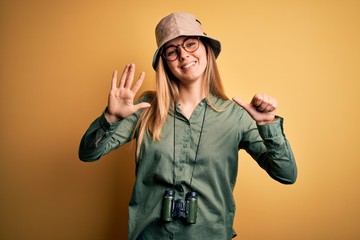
[(191, 44), (171, 53)]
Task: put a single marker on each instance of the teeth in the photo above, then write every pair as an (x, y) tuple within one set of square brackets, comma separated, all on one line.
[(188, 65)]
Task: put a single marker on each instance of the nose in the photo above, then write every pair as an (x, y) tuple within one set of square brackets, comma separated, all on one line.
[(182, 54)]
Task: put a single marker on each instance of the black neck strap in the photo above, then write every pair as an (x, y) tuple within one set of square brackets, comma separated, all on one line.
[(197, 147)]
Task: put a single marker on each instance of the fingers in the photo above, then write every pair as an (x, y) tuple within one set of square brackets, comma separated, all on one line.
[(272, 105), (260, 102), (264, 103), (130, 75), (127, 78), (124, 76), (114, 80), (139, 82), (262, 108)]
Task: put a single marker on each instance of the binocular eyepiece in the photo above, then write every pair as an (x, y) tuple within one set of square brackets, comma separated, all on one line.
[(180, 208)]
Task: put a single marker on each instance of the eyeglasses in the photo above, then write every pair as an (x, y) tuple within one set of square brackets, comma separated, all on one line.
[(171, 53)]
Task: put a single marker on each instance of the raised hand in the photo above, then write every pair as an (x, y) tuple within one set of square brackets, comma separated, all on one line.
[(121, 96), (262, 108)]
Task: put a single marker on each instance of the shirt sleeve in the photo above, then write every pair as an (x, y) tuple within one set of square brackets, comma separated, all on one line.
[(102, 137), (268, 145)]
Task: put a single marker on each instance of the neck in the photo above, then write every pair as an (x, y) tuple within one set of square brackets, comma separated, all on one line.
[(190, 97)]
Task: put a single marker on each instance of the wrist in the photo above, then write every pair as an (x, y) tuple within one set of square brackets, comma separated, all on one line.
[(267, 121), (110, 117)]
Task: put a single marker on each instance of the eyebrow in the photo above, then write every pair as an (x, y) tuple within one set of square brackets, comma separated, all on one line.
[(171, 45), (175, 45)]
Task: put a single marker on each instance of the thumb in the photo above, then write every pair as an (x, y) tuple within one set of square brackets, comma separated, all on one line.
[(243, 104), (142, 105), (240, 102)]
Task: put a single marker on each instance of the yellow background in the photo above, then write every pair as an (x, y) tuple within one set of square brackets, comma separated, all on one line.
[(56, 61)]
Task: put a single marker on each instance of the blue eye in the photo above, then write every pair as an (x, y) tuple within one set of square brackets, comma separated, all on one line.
[(172, 51), (190, 44)]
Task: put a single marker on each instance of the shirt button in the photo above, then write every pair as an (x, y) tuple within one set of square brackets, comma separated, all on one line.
[(185, 145)]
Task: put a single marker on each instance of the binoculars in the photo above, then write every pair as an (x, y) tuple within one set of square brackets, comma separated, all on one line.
[(180, 208)]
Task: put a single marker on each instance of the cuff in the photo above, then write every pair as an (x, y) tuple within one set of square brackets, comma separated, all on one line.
[(271, 130), (107, 126)]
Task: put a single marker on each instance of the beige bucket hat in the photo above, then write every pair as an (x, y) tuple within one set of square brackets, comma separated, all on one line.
[(180, 24)]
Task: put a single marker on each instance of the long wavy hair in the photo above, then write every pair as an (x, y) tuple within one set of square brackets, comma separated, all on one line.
[(167, 92)]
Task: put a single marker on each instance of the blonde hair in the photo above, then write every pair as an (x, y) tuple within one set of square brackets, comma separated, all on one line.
[(167, 92)]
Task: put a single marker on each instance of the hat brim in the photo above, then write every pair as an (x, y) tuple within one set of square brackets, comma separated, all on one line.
[(213, 43)]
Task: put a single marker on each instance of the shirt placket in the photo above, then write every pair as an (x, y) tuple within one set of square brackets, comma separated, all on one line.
[(183, 139), (186, 146)]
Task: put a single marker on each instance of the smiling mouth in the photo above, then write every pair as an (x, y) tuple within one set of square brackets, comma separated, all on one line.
[(187, 66)]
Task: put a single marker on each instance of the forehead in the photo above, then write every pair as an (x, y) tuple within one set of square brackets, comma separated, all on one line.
[(177, 41)]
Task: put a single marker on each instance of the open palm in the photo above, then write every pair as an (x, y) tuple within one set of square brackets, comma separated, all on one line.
[(121, 96)]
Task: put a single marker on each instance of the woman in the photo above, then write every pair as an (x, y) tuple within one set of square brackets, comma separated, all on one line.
[(188, 136)]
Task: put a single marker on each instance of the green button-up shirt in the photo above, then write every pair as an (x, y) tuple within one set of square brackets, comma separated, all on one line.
[(215, 170)]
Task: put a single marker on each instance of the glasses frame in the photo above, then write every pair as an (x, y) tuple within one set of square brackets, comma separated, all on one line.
[(177, 48)]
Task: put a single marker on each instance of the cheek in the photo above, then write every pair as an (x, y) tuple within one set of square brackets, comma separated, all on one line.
[(203, 60), (171, 65), (202, 55)]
